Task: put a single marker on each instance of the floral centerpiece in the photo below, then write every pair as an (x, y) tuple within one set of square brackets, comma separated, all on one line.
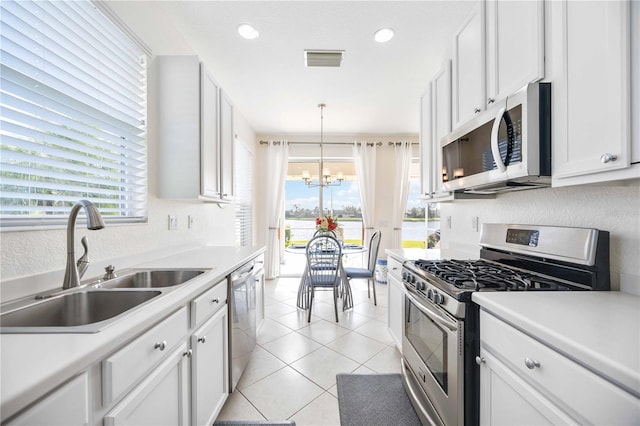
[(330, 223)]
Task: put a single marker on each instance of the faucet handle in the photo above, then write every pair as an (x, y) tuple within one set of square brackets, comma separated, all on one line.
[(109, 272), (83, 262)]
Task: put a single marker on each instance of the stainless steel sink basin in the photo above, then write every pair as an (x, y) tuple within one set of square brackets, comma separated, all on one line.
[(151, 278), (73, 310)]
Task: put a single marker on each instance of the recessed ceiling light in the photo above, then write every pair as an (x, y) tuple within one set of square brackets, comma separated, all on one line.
[(247, 31), (383, 35)]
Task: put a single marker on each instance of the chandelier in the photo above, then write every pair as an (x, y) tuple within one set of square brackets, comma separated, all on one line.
[(325, 179)]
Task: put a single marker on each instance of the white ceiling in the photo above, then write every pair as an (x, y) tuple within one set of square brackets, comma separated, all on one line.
[(376, 91)]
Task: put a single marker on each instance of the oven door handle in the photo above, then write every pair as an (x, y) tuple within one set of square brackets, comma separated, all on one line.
[(434, 315)]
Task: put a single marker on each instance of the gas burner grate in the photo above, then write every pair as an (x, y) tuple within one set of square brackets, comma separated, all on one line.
[(483, 275)]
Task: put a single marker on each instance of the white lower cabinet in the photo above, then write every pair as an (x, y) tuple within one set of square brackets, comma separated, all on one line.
[(396, 301), (66, 406), (523, 381), (209, 369), (162, 397)]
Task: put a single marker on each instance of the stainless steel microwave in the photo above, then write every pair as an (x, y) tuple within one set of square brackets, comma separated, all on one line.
[(507, 147)]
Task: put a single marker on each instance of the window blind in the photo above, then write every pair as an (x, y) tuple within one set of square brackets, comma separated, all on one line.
[(72, 114), (243, 195)]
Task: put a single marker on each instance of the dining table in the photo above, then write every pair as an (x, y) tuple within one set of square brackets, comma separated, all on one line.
[(345, 288)]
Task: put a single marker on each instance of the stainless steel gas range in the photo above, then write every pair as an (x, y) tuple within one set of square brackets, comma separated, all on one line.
[(441, 329)]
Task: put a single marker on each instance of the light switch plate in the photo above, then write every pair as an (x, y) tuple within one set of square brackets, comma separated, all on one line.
[(173, 222)]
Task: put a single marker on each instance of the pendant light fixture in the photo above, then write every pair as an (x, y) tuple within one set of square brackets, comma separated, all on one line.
[(325, 178)]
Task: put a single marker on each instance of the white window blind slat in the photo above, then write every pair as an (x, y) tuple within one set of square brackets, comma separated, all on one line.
[(39, 93), (72, 114), (66, 139), (54, 43), (243, 195), (60, 171)]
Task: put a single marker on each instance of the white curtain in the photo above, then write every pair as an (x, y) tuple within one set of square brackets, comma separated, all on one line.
[(402, 156), (277, 161), (364, 158)]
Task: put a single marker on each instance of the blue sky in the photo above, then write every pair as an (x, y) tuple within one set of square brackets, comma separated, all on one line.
[(347, 194)]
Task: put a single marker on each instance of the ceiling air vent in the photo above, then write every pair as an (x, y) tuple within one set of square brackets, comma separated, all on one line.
[(323, 58)]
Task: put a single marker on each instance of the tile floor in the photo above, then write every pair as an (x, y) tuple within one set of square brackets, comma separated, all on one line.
[(292, 374)]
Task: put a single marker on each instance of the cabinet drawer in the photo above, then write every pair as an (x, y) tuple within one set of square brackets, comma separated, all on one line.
[(124, 368), (205, 305), (575, 389), (395, 267)]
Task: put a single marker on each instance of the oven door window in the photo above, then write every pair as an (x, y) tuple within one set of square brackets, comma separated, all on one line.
[(430, 342)]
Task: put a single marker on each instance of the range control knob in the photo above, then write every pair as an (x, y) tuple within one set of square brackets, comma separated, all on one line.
[(404, 276), (430, 294), (437, 298)]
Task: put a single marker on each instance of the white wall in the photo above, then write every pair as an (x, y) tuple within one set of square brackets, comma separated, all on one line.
[(614, 208), (25, 253)]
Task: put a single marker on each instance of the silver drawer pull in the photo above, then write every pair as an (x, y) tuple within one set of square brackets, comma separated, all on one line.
[(161, 345), (188, 353), (202, 339), (480, 360), (216, 300), (531, 363)]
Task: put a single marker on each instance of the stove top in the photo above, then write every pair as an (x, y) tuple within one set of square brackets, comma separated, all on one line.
[(478, 275)]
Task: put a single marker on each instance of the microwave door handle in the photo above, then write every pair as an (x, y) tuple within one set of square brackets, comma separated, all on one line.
[(495, 150)]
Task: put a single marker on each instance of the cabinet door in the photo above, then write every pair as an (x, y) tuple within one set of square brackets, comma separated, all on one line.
[(591, 93), (441, 98), (161, 399), (65, 406), (468, 67), (396, 310), (515, 46), (209, 136), (209, 369), (426, 146), (506, 399), (226, 148)]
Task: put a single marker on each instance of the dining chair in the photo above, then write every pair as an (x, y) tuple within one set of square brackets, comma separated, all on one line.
[(324, 255), (368, 273)]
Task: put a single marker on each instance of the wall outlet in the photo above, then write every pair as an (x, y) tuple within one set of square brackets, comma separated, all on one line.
[(173, 222), (448, 222), (474, 223), (190, 221)]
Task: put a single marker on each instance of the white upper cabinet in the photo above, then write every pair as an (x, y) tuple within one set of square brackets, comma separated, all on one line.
[(210, 154), (226, 148), (591, 65), (515, 46), (426, 146), (195, 132), (441, 119), (469, 66), (498, 50)]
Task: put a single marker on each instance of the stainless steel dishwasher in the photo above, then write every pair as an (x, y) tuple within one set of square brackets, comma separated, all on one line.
[(242, 319)]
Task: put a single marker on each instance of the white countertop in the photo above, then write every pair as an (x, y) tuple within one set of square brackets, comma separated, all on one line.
[(403, 254), (34, 364), (599, 330)]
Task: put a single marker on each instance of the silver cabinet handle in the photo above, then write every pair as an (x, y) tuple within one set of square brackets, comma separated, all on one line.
[(188, 353), (202, 339), (476, 110), (490, 100), (480, 360), (161, 345), (216, 300), (608, 158), (531, 363)]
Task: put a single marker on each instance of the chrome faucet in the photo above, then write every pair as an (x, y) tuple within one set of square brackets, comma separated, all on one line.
[(94, 222)]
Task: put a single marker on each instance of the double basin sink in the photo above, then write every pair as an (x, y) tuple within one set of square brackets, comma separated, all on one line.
[(92, 306)]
